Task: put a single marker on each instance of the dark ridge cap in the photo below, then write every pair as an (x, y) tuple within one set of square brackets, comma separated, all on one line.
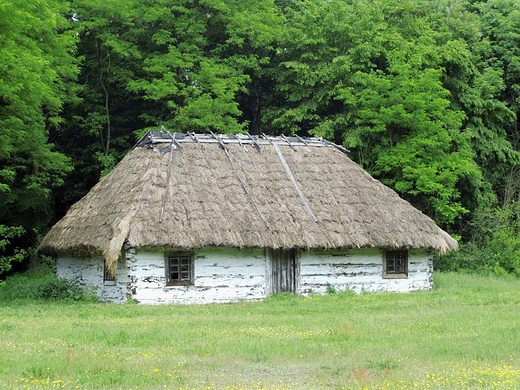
[(164, 136)]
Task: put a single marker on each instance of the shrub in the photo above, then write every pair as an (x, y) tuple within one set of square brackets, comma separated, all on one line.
[(497, 250), (468, 258), (41, 283), (330, 289), (54, 288)]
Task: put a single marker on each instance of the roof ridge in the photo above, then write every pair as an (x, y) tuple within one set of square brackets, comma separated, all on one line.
[(153, 137)]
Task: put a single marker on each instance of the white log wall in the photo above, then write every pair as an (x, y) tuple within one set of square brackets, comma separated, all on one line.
[(221, 275), (89, 272), (230, 275), (361, 270)]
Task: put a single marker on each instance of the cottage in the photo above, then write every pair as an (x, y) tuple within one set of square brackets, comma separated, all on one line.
[(190, 218)]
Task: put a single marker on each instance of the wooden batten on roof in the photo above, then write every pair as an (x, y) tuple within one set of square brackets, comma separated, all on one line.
[(153, 138), (198, 190)]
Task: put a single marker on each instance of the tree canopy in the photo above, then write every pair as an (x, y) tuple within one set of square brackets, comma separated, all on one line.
[(38, 69)]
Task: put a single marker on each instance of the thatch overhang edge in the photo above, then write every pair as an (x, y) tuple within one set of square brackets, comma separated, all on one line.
[(82, 252)]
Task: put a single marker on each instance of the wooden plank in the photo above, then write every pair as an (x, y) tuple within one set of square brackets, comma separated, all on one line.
[(284, 271), (294, 182), (288, 142)]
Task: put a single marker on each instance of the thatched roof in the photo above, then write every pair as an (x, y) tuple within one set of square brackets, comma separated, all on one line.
[(240, 191)]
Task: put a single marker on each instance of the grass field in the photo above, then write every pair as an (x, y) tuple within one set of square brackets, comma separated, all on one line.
[(465, 334)]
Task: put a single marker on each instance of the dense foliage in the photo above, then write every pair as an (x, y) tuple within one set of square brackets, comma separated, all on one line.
[(426, 95), (40, 283), (38, 70)]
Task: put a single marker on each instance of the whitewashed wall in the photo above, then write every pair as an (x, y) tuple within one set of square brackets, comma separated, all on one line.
[(89, 272), (221, 275), (229, 275), (361, 270)]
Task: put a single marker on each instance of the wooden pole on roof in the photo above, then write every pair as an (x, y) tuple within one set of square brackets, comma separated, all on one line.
[(294, 182), (242, 183)]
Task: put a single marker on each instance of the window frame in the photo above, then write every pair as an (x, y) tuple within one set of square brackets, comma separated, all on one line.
[(395, 274), (191, 269), (108, 278)]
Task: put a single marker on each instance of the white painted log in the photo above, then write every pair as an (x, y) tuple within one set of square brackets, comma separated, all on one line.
[(230, 275), (361, 270)]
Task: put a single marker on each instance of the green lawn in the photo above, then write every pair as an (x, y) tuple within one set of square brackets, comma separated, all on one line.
[(463, 334)]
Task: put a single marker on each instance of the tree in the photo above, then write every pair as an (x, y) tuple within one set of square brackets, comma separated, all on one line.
[(37, 72), (185, 65), (500, 51), (369, 75), (201, 57)]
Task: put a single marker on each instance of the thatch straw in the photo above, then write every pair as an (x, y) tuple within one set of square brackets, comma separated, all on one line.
[(246, 199)]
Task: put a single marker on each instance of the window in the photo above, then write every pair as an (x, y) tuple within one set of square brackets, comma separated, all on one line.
[(179, 268), (107, 275), (395, 264)]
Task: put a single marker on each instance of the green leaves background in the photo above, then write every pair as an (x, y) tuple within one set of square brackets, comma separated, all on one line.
[(424, 94)]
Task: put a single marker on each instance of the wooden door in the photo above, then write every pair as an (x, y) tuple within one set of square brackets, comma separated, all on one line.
[(284, 271)]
